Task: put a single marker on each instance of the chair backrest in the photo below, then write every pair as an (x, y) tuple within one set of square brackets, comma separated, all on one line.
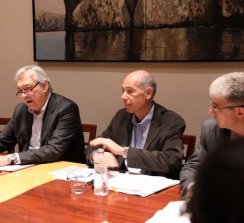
[(4, 121), (89, 131), (189, 142)]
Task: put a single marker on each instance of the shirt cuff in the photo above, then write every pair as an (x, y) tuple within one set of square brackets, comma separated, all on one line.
[(18, 159)]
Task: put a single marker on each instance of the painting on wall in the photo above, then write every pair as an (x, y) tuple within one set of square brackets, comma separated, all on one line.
[(138, 30)]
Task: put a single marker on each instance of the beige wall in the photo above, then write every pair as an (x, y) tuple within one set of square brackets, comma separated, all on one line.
[(96, 87)]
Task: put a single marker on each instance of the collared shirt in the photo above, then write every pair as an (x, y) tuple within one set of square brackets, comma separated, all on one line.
[(139, 135), (35, 141)]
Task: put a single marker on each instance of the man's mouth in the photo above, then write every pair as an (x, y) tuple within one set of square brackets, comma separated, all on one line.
[(28, 102)]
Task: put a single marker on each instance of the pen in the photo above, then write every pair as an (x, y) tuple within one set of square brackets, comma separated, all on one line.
[(89, 182), (89, 174)]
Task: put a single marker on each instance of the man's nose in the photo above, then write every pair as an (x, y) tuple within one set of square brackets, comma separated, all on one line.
[(124, 95), (211, 111)]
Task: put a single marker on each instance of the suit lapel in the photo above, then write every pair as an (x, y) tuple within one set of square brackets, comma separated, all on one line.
[(28, 127), (47, 116), (154, 126), (152, 133)]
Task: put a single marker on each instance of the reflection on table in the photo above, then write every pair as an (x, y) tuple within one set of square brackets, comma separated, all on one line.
[(52, 201)]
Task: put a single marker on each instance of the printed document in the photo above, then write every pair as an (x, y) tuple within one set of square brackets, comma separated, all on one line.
[(138, 184)]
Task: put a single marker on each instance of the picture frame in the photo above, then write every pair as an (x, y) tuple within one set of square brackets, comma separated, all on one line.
[(138, 30)]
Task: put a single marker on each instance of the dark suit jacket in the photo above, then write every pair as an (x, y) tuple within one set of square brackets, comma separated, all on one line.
[(162, 152), (210, 136), (61, 134)]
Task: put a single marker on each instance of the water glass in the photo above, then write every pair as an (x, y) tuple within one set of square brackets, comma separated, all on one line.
[(77, 182)]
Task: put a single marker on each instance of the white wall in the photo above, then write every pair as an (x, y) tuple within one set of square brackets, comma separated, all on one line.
[(96, 87)]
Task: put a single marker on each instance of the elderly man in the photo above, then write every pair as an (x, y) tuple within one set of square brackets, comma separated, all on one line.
[(227, 109), (46, 126), (144, 137)]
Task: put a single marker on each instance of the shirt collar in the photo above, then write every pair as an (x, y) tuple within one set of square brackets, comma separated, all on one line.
[(146, 120)]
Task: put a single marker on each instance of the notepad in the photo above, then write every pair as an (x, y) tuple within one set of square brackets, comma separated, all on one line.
[(138, 184)]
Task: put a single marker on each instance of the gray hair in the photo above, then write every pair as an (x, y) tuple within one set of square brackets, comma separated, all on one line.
[(149, 81), (36, 72), (229, 86)]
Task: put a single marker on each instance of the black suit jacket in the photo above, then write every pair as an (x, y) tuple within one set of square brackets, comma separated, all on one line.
[(61, 135), (163, 150)]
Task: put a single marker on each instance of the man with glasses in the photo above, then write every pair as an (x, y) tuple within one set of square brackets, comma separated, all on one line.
[(46, 126), (227, 123)]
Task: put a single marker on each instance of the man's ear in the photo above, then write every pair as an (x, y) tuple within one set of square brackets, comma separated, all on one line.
[(45, 86), (149, 93), (240, 112)]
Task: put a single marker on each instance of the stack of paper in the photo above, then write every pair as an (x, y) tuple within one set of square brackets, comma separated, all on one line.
[(142, 185)]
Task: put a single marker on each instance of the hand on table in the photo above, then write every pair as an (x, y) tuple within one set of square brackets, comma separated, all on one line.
[(109, 145), (110, 159), (4, 161)]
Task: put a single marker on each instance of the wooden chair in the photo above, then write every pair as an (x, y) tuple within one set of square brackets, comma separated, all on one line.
[(189, 142), (4, 121), (89, 131)]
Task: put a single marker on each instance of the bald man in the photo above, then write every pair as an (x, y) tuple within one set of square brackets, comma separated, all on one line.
[(143, 137)]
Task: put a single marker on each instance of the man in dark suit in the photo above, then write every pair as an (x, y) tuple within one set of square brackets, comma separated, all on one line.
[(46, 126), (227, 108), (144, 137)]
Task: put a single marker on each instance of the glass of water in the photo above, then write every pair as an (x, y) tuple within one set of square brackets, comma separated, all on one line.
[(77, 182)]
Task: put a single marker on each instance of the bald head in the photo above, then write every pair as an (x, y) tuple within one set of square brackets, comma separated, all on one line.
[(142, 78)]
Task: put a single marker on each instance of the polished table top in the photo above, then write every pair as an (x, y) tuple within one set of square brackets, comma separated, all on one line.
[(53, 201)]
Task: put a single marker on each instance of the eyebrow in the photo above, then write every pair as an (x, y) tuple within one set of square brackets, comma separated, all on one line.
[(26, 85)]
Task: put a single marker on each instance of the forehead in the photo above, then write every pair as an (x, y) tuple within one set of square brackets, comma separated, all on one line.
[(218, 101), (24, 80), (131, 81)]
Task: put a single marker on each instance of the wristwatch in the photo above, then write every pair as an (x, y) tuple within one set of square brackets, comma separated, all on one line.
[(125, 152), (12, 158)]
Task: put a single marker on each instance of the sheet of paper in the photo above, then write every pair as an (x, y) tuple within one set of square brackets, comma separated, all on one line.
[(171, 213), (83, 171), (137, 184), (12, 168)]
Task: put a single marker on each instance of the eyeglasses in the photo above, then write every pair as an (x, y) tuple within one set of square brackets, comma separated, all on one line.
[(27, 90), (217, 108)]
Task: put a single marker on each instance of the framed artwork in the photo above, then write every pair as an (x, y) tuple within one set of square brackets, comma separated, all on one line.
[(138, 30)]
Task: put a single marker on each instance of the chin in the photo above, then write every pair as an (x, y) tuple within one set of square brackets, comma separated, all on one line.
[(220, 125), (129, 110)]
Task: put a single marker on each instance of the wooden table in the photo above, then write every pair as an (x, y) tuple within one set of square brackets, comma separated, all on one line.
[(3, 173), (53, 202)]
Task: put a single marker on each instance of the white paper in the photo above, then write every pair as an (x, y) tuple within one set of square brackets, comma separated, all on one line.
[(12, 168), (138, 184), (63, 173), (170, 214)]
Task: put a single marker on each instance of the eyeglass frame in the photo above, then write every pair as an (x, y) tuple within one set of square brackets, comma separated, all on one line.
[(27, 90), (216, 108)]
